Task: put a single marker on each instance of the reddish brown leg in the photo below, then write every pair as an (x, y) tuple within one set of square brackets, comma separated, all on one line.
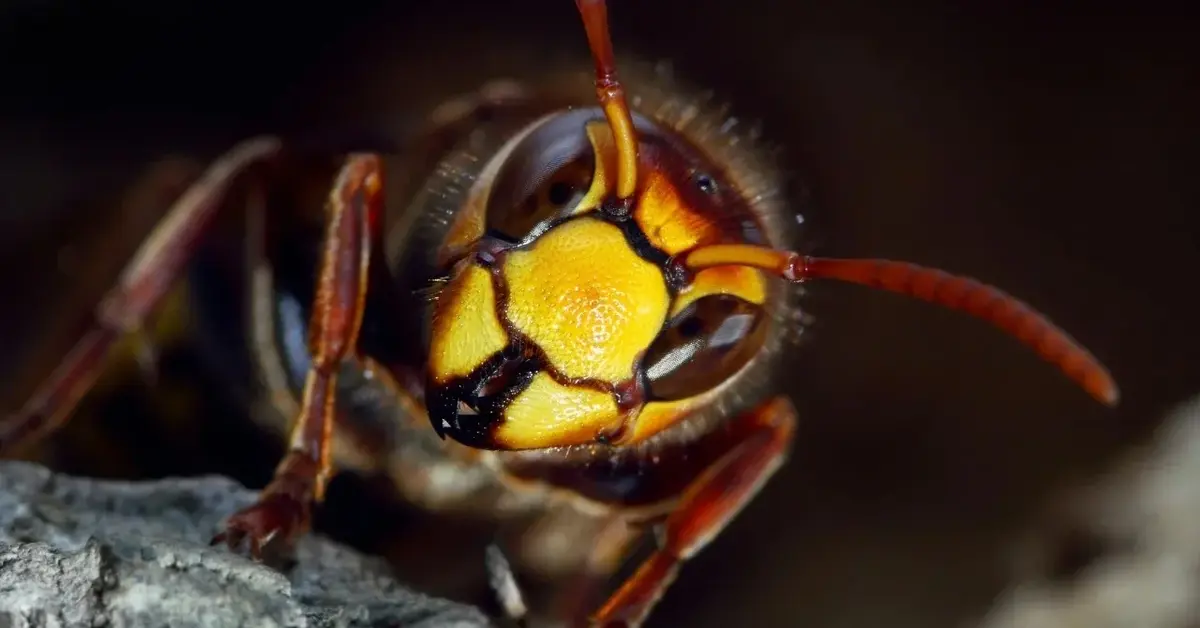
[(705, 509), (143, 283), (284, 508)]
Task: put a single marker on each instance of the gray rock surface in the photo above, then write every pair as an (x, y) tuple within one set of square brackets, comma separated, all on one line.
[(80, 552), (1143, 569)]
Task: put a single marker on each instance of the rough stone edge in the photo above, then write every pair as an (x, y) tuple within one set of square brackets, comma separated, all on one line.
[(85, 552)]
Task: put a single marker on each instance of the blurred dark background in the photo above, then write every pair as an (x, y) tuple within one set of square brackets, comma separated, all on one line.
[(1049, 150)]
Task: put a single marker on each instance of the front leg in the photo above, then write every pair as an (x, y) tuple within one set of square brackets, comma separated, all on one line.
[(284, 508), (764, 437), (144, 282)]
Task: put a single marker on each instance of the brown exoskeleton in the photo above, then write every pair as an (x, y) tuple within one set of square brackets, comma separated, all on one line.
[(611, 292)]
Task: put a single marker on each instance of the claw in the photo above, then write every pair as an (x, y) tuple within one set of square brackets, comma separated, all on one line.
[(274, 516)]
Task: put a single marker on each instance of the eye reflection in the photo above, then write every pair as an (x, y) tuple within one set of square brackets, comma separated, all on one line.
[(703, 346), (725, 338)]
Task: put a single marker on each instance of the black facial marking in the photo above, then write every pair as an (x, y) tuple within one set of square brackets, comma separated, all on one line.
[(493, 385), (515, 382), (486, 393), (637, 239)]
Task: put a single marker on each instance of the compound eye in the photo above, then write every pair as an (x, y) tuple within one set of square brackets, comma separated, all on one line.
[(546, 175), (704, 345)]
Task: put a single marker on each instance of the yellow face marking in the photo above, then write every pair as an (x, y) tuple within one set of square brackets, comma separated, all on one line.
[(603, 176), (548, 414), (657, 416), (740, 281), (586, 299), (666, 219), (465, 330)]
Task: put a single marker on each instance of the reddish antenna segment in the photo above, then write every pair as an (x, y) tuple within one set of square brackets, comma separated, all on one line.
[(611, 94), (934, 286)]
